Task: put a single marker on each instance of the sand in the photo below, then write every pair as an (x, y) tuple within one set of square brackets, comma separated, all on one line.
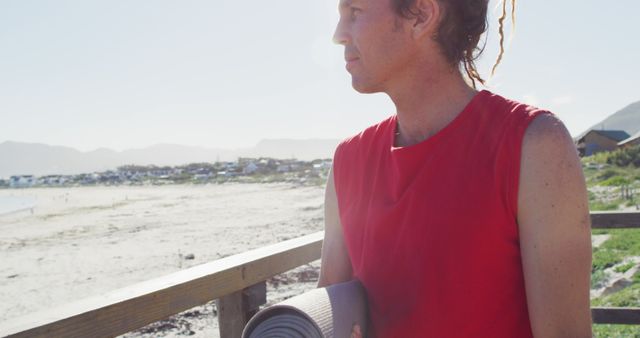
[(85, 241)]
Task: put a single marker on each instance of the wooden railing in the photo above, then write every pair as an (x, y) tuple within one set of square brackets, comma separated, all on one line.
[(238, 284)]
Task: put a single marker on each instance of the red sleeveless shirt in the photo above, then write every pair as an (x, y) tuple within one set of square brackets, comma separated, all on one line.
[(431, 228)]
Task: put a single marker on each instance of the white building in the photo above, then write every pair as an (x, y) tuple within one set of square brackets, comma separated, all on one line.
[(23, 181)]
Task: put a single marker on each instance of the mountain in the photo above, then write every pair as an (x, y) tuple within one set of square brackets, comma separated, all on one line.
[(300, 149), (627, 119), (17, 158)]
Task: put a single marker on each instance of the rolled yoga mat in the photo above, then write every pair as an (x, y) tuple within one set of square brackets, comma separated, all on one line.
[(329, 312)]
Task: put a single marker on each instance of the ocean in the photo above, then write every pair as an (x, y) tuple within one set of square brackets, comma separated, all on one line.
[(10, 204)]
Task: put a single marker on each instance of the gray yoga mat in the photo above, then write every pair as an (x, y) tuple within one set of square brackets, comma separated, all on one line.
[(329, 312)]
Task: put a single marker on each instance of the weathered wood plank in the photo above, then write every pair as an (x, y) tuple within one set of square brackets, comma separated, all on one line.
[(135, 306), (612, 315), (235, 310), (255, 296), (232, 315), (615, 219)]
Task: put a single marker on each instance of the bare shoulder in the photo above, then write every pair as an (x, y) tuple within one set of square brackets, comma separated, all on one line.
[(552, 190), (553, 219), (546, 130), (548, 153)]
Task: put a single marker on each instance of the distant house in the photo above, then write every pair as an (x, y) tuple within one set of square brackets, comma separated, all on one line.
[(283, 168), (322, 166), (23, 181), (225, 174), (160, 172), (201, 177), (52, 180), (110, 177), (631, 141), (88, 178), (595, 141), (250, 169), (204, 171)]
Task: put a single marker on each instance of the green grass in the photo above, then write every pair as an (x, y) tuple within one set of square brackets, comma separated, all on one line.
[(627, 297), (609, 173), (616, 181), (603, 258), (624, 241), (616, 331), (603, 206), (624, 267)]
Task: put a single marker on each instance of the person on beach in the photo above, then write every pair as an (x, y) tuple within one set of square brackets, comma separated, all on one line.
[(464, 214)]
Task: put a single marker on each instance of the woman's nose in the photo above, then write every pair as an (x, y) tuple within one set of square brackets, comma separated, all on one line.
[(340, 36)]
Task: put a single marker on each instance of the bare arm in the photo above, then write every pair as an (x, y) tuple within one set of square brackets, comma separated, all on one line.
[(555, 232), (335, 263)]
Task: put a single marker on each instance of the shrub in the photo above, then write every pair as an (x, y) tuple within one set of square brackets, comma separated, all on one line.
[(602, 206), (608, 174), (625, 157), (615, 181), (624, 267)]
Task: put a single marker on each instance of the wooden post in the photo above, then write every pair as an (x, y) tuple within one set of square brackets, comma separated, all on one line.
[(235, 310)]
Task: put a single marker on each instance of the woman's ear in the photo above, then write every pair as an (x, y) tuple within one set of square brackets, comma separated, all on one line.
[(426, 18)]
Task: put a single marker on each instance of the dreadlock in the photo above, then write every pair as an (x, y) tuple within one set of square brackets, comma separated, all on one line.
[(462, 25)]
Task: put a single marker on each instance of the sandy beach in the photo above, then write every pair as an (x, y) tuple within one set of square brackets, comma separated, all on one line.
[(85, 241)]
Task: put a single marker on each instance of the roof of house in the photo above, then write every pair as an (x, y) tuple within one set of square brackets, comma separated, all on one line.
[(632, 138), (617, 135)]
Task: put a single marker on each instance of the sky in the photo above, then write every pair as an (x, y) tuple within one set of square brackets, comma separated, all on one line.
[(124, 74)]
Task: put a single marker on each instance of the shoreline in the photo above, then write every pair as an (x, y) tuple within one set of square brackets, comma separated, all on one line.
[(14, 204)]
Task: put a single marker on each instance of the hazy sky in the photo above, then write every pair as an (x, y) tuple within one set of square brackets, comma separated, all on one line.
[(227, 73)]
